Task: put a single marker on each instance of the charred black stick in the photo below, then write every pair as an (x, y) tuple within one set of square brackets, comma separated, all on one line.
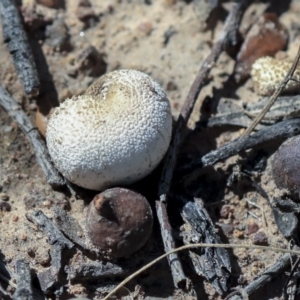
[(212, 263), (279, 267), (49, 229), (24, 288), (95, 271), (281, 130), (40, 149), (227, 35), (17, 42), (180, 281), (58, 243)]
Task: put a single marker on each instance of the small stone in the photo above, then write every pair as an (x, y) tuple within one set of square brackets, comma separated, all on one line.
[(226, 211), (259, 238), (23, 237), (146, 27), (31, 251), (172, 86), (47, 203), (238, 234), (85, 13), (5, 206), (252, 227), (227, 228), (4, 197), (15, 218)]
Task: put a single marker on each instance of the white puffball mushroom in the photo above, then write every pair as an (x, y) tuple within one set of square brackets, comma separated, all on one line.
[(114, 134)]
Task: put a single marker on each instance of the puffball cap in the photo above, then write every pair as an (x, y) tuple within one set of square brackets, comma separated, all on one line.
[(116, 133)]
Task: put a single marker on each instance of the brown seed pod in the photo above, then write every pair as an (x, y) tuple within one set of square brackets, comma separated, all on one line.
[(286, 166), (119, 221), (265, 38)]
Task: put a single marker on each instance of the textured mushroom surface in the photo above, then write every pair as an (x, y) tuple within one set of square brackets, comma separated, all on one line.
[(267, 73), (116, 133), (119, 222)]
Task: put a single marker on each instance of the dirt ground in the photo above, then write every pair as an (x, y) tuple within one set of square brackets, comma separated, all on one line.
[(167, 40)]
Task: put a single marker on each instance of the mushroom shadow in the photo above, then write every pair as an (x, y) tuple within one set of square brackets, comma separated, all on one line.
[(48, 96)]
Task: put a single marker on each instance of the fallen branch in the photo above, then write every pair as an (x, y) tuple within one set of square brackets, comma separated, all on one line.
[(281, 130), (40, 149), (17, 42)]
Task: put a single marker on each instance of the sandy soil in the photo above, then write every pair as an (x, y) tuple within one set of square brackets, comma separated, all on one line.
[(167, 40)]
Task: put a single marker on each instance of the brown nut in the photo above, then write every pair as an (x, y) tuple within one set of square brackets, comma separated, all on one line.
[(119, 221), (286, 166)]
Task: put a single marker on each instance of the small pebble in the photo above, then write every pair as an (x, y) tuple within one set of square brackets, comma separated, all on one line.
[(23, 237), (252, 227), (238, 234), (259, 238), (15, 218), (4, 197), (5, 206), (47, 203), (172, 86), (227, 228), (85, 13), (145, 27), (31, 251), (226, 211)]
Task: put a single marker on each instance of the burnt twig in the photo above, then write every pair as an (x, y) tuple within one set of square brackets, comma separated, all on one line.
[(24, 289), (95, 271), (69, 226), (212, 263), (41, 152), (17, 43), (281, 130), (49, 229), (227, 35), (271, 273), (169, 244), (58, 243)]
